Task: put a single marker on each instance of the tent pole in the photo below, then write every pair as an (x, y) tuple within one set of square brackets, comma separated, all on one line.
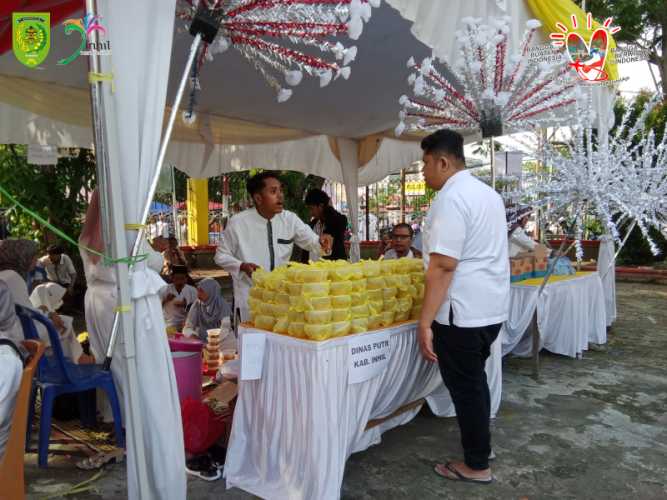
[(116, 245), (403, 195), (156, 174), (174, 210)]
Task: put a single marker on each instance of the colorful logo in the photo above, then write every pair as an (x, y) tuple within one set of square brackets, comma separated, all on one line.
[(31, 37), (84, 27), (587, 58)]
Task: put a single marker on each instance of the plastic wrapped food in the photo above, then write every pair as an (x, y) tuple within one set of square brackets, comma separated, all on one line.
[(360, 325), (375, 306), (296, 329), (257, 292), (268, 296), (341, 301), (264, 322), (357, 297), (341, 272), (253, 304), (376, 283), (318, 332), (387, 318), (389, 292), (296, 316), (375, 321), (415, 312), (417, 277), (266, 309), (390, 304), (338, 315), (360, 311), (357, 272), (341, 328), (404, 304), (280, 310), (371, 268), (358, 285), (309, 289), (374, 295), (401, 316), (282, 298), (409, 291), (402, 281), (312, 274), (420, 289), (316, 303), (259, 277), (281, 326), (341, 288), (318, 317)]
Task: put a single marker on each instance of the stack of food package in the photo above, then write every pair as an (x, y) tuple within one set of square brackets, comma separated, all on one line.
[(213, 349), (332, 299)]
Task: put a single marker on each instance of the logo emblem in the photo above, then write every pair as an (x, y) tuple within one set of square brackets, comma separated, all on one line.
[(83, 27), (588, 59), (31, 37)]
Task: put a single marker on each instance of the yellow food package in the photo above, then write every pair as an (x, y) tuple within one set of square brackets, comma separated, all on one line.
[(341, 301), (375, 306), (257, 292), (265, 309), (417, 277), (259, 277), (280, 310), (251, 317), (316, 303), (313, 274), (374, 295), (276, 280), (341, 328), (357, 297), (376, 283), (360, 311), (420, 289), (296, 302), (358, 285), (416, 265), (281, 326), (340, 272), (415, 312), (403, 281), (318, 317), (357, 272), (315, 289), (388, 266), (296, 329), (281, 298), (418, 301), (268, 296), (375, 321), (404, 304), (401, 316), (318, 332), (390, 304), (338, 315), (296, 316), (389, 292), (390, 280), (341, 288), (409, 291), (253, 303), (371, 268), (360, 325), (387, 318), (265, 322)]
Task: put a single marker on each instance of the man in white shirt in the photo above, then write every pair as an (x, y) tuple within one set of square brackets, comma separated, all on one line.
[(177, 298), (466, 296), (401, 241), (263, 236), (59, 267)]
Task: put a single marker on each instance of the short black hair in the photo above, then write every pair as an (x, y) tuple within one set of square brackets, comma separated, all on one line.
[(317, 197), (404, 225), (256, 183), (444, 141), (55, 250)]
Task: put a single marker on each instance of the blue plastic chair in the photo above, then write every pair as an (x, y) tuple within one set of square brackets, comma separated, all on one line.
[(58, 375)]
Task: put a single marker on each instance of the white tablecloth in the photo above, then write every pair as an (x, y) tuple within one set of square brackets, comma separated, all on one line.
[(295, 428), (570, 315)]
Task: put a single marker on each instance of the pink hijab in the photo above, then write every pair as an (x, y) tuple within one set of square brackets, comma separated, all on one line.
[(91, 234)]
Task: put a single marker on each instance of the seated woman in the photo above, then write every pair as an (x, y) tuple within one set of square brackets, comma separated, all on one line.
[(17, 259), (11, 362), (207, 311)]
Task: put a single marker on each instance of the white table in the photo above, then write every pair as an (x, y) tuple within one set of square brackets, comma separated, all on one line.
[(295, 427), (570, 315)]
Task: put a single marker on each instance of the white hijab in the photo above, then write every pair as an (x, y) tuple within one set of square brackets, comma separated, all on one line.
[(49, 295)]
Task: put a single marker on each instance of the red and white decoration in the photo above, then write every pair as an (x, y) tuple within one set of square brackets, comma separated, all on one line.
[(494, 90)]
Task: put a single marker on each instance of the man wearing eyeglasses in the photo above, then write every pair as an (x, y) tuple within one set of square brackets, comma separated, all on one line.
[(401, 241)]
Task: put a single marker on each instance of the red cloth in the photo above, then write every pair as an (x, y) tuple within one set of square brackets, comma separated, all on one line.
[(201, 427)]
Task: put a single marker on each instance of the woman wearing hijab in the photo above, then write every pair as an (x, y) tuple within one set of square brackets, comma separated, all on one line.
[(11, 362), (207, 312), (17, 259)]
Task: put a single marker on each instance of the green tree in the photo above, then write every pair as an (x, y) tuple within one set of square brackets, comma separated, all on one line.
[(58, 193), (643, 24)]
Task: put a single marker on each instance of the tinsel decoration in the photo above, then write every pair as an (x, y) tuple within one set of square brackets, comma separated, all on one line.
[(271, 35), (495, 92), (622, 181)]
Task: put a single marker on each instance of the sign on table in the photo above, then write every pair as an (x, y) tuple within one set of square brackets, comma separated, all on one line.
[(368, 356), (252, 355)]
